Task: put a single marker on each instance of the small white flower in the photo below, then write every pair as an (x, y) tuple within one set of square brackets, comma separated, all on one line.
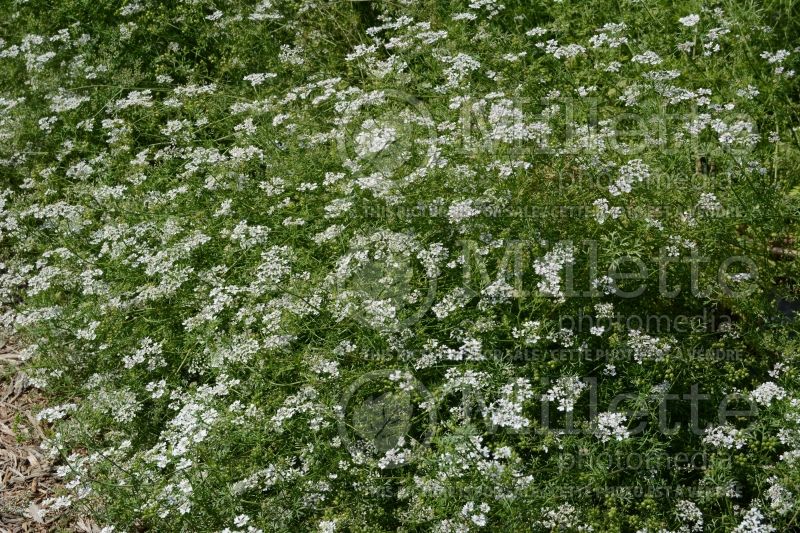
[(611, 425), (726, 436), (460, 211), (259, 78), (566, 390), (708, 202), (327, 526), (647, 58), (753, 522), (689, 20), (768, 392)]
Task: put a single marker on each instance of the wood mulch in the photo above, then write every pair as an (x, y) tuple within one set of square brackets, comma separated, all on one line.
[(26, 475)]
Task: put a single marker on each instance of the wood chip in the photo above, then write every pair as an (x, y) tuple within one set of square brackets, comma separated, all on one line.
[(26, 476)]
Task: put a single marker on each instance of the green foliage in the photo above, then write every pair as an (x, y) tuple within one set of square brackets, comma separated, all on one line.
[(313, 265)]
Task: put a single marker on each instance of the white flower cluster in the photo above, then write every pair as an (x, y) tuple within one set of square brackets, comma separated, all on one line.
[(508, 124), (507, 411), (566, 390), (241, 525), (609, 35), (373, 138), (689, 20), (708, 202), (451, 301), (725, 436), (646, 347), (767, 392), (777, 59), (460, 67), (781, 500), (469, 350), (753, 522), (647, 58), (549, 267), (561, 518), (57, 412), (149, 351), (611, 425), (476, 513), (690, 515), (135, 99), (66, 101), (561, 51), (603, 212), (460, 211), (292, 55), (631, 172), (529, 332)]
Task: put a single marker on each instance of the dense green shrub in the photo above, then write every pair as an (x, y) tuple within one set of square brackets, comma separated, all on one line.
[(370, 266)]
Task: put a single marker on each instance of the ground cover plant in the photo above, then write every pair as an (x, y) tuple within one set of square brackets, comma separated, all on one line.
[(408, 265)]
